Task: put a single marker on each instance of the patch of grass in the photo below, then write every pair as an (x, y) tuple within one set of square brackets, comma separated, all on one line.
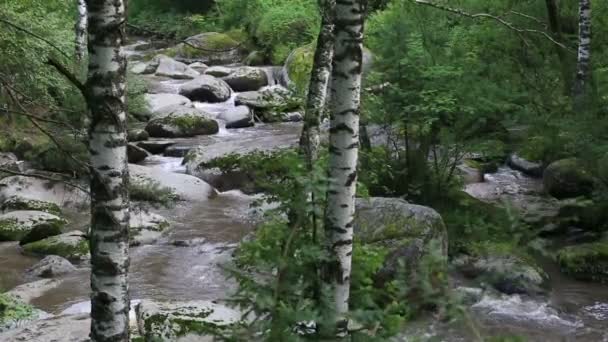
[(153, 193)]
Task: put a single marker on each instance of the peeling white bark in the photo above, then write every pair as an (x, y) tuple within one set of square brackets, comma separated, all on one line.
[(81, 30), (344, 146), (583, 65), (109, 238)]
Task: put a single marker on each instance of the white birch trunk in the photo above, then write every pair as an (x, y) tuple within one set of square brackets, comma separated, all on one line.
[(81, 30), (344, 147), (580, 92), (109, 238)]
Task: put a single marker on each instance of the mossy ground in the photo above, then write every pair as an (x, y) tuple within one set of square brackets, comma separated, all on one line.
[(11, 310)]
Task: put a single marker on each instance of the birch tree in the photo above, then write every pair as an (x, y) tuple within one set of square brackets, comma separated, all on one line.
[(319, 79), (109, 237), (81, 30), (344, 148), (583, 63)]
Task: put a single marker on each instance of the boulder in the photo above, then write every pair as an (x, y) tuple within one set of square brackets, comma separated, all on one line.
[(31, 188), (15, 313), (171, 68), (255, 58), (507, 273), (177, 151), (64, 328), (155, 146), (154, 102), (184, 321), (529, 168), (9, 161), (136, 154), (411, 233), (137, 134), (586, 261), (139, 68), (51, 266), (211, 48), (200, 67), (145, 227), (179, 121), (271, 104), (567, 178), (238, 117), (218, 71), (73, 245), (206, 88), (186, 187), (28, 225), (15, 203), (247, 79), (28, 292)]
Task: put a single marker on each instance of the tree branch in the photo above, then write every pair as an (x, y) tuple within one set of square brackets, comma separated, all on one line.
[(69, 75), (22, 29), (35, 175), (501, 21)]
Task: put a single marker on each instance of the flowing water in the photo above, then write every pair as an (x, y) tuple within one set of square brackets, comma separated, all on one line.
[(574, 311)]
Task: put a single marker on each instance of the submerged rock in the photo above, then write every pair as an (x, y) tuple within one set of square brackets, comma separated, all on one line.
[(238, 117), (51, 266), (247, 79), (206, 88), (146, 227), (567, 178), (586, 262), (410, 232), (30, 188), (28, 225), (178, 121), (184, 321), (73, 245), (186, 187)]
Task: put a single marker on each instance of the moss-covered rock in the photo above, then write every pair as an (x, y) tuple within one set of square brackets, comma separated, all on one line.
[(195, 319), (504, 268), (182, 122), (586, 262), (13, 312), (567, 178), (72, 245), (583, 213), (28, 225), (211, 48), (14, 203), (255, 58)]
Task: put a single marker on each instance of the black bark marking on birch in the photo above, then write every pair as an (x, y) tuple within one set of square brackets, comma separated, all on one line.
[(342, 243), (352, 177), (342, 127)]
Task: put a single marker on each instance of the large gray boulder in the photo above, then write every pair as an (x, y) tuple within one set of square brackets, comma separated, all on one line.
[(145, 227), (237, 117), (154, 102), (184, 321), (180, 121), (247, 79), (186, 187), (206, 88), (51, 266), (27, 226), (28, 292), (171, 68), (271, 104), (73, 246), (410, 232), (567, 178), (31, 188), (211, 48), (218, 71)]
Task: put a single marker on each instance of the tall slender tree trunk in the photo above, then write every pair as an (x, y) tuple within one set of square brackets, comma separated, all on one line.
[(319, 79), (109, 238), (580, 92), (344, 147), (562, 55), (81, 30)]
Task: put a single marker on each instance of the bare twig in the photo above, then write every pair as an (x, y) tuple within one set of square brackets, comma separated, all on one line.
[(527, 16), (501, 21), (69, 75), (22, 29), (38, 118), (36, 175)]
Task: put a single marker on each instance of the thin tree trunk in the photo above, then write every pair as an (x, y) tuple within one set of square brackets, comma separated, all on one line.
[(319, 79), (580, 91), (81, 30), (556, 31), (344, 148), (109, 238)]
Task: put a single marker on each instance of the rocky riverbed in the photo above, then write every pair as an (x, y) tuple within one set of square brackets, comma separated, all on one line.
[(200, 112)]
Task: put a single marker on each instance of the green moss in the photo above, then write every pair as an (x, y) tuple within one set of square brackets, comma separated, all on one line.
[(53, 246), (10, 230), (212, 41), (12, 309), (19, 203), (299, 66), (190, 124), (587, 261)]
